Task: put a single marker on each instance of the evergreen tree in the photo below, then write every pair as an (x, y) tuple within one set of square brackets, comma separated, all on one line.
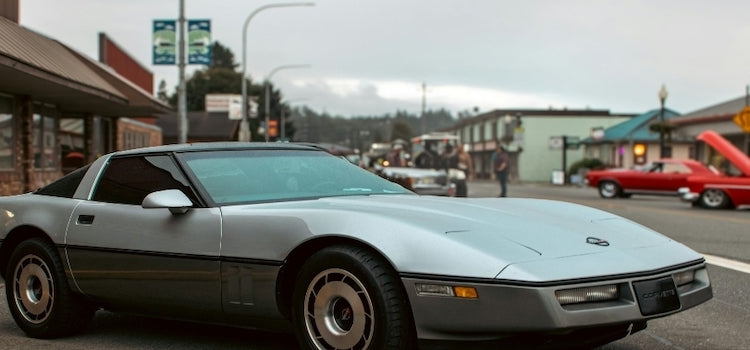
[(222, 57), (400, 129)]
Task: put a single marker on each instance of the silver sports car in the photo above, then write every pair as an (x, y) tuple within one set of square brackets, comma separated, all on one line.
[(290, 237)]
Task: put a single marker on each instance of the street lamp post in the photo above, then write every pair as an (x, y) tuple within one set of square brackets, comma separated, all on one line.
[(267, 86), (244, 134), (662, 97)]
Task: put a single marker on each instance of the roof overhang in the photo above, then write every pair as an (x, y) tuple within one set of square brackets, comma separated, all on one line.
[(46, 70), (74, 98), (704, 119), (20, 78), (138, 101)]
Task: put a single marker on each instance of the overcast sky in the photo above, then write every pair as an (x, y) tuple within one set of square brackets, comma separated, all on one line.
[(370, 57)]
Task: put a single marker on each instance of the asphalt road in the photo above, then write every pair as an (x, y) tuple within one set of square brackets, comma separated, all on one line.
[(721, 323)]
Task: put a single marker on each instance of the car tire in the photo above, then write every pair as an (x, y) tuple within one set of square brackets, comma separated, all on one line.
[(350, 298), (609, 189), (713, 198), (39, 297)]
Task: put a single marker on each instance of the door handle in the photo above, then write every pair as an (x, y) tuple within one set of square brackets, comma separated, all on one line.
[(85, 220)]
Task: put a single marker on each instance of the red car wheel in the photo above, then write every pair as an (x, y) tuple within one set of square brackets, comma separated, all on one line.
[(714, 198), (609, 189)]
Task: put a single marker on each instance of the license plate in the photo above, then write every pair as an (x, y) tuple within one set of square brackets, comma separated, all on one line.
[(657, 296)]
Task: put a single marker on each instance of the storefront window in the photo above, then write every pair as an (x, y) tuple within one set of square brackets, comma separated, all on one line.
[(46, 155), (488, 132), (7, 150), (134, 139)]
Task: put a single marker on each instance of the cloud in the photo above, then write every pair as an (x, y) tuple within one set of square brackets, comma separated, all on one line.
[(358, 97), (371, 56)]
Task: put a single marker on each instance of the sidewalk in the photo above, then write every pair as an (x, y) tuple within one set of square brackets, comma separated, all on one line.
[(491, 188)]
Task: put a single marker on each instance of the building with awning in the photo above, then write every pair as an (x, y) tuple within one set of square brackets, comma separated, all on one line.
[(633, 142), (55, 100)]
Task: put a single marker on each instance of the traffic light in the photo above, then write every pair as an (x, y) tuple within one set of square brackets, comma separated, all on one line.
[(273, 128)]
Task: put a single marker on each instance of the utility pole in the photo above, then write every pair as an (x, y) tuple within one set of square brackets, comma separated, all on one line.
[(424, 103), (565, 159), (424, 97), (182, 123)]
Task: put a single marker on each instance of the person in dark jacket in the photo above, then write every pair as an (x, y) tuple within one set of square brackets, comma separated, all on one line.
[(500, 164)]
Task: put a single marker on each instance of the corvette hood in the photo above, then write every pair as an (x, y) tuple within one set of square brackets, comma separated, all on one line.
[(543, 227), (491, 237), (727, 149)]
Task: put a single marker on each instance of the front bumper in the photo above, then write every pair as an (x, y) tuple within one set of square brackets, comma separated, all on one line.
[(686, 195), (504, 310)]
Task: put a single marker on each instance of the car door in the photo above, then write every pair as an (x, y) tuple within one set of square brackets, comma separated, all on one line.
[(654, 179), (126, 256)]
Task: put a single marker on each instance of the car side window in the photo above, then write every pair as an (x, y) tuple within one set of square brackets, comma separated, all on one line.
[(129, 180), (65, 186)]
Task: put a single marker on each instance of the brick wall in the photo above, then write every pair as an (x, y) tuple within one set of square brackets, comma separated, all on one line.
[(12, 181), (134, 134)]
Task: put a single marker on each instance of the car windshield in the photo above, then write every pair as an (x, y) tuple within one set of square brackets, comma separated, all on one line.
[(246, 176)]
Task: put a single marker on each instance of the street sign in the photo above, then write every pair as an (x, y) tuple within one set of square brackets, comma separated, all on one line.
[(555, 142), (572, 142), (164, 42), (199, 41), (222, 102), (742, 119)]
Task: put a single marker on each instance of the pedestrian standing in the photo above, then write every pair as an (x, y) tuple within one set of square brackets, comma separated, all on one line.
[(464, 162), (394, 158), (500, 164)]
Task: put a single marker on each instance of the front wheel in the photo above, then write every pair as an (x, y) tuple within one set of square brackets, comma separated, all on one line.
[(349, 298), (38, 294), (609, 189), (713, 198)]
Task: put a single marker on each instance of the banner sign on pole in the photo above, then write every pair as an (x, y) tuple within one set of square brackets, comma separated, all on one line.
[(199, 41), (164, 42)]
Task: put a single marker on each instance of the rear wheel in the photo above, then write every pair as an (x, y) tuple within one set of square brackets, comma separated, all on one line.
[(713, 198), (349, 298), (38, 294), (609, 189)]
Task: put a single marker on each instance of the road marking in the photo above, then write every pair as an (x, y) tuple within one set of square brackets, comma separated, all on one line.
[(727, 263), (664, 341)]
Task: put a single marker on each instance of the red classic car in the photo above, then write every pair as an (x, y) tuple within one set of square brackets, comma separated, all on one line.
[(730, 190), (662, 177)]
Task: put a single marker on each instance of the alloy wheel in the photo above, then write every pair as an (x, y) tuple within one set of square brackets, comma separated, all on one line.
[(714, 198), (338, 311), (33, 289)]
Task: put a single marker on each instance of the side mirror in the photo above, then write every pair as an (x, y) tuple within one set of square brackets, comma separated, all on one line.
[(174, 200)]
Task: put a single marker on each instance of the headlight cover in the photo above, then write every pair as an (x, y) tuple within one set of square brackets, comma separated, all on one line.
[(588, 294)]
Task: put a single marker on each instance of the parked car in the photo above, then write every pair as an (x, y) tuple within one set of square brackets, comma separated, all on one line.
[(731, 189), (434, 182), (436, 151), (662, 177), (290, 237)]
